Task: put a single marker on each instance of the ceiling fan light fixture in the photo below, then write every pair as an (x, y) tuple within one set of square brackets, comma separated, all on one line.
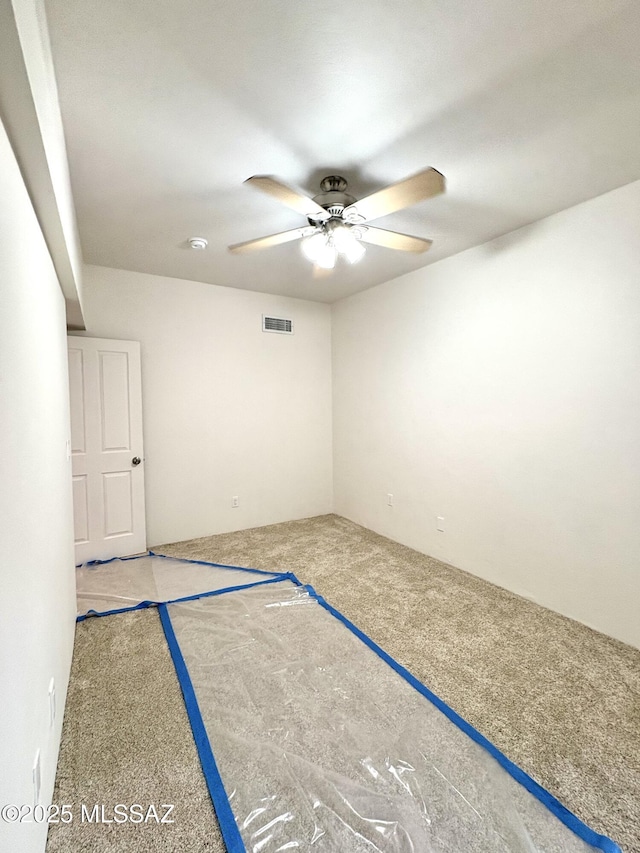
[(326, 259), (354, 252), (319, 249), (313, 246), (346, 241), (342, 237)]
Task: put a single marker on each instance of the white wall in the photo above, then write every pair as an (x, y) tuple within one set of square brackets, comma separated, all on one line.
[(32, 120), (228, 410), (37, 602), (500, 390)]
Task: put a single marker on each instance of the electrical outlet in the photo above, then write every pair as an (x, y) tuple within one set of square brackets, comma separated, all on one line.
[(440, 523), (37, 779), (389, 500), (52, 703), (235, 502)]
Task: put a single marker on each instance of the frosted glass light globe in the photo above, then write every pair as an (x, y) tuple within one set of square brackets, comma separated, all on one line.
[(354, 252), (313, 246), (327, 257), (346, 243)]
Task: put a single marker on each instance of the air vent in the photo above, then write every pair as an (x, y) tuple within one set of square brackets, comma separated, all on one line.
[(277, 324)]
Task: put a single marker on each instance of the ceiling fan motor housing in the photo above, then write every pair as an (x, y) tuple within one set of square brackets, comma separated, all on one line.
[(333, 183), (334, 197)]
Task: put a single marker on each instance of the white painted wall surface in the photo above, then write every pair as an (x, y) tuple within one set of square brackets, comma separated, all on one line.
[(228, 409), (500, 389), (37, 604), (32, 120)]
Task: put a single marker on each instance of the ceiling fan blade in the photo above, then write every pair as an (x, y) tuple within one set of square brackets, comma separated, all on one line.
[(395, 240), (289, 196), (272, 240), (417, 188)]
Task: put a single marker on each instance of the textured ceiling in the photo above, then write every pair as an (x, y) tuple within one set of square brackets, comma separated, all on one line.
[(526, 107)]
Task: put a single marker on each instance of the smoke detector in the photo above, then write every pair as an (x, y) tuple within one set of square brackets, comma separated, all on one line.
[(198, 242)]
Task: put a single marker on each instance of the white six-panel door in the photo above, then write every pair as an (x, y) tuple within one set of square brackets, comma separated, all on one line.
[(106, 448)]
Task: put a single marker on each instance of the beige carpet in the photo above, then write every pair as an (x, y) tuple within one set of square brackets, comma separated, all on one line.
[(127, 739), (559, 699)]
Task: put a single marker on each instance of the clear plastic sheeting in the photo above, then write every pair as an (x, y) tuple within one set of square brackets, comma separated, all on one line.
[(322, 746), (116, 584)]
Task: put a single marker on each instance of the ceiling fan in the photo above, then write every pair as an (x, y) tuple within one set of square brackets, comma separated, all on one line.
[(336, 220)]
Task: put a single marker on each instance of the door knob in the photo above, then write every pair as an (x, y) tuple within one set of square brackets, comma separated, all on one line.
[(136, 460)]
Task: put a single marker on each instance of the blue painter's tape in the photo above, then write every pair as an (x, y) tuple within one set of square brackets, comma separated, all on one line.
[(141, 605), (111, 560), (144, 604), (226, 819), (600, 842), (218, 565), (238, 588), (179, 560)]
